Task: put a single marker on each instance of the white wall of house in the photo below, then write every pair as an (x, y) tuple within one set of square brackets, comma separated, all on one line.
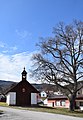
[(33, 98), (11, 98), (45, 101), (8, 98), (43, 94)]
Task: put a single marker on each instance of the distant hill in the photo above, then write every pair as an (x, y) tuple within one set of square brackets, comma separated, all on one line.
[(5, 85), (45, 87)]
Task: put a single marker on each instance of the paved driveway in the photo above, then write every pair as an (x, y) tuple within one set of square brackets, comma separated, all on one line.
[(17, 114)]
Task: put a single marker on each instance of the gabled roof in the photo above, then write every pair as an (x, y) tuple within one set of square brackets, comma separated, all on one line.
[(63, 97), (23, 83), (53, 97)]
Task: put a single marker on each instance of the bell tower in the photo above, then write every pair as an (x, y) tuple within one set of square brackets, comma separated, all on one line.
[(24, 75)]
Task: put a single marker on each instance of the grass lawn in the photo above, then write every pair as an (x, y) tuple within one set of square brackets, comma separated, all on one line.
[(3, 104), (63, 111)]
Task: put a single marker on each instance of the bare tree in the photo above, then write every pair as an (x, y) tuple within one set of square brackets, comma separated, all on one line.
[(61, 59)]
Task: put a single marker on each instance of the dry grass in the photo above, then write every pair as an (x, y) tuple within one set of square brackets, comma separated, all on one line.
[(63, 111), (3, 104)]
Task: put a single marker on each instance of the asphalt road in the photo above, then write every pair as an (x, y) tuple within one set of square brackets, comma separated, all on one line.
[(18, 114)]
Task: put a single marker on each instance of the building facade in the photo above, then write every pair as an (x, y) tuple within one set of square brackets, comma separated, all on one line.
[(23, 94), (62, 101)]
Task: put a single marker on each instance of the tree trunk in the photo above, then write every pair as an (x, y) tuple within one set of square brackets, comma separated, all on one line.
[(72, 102)]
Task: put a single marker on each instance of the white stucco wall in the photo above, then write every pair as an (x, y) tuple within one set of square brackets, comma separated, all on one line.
[(43, 94), (8, 99), (45, 101), (11, 98), (33, 98)]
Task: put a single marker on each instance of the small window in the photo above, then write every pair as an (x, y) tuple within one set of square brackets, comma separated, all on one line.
[(60, 103), (23, 89), (43, 95), (81, 103), (63, 103), (57, 103)]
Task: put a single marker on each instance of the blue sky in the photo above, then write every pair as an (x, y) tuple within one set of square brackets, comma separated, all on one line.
[(22, 23)]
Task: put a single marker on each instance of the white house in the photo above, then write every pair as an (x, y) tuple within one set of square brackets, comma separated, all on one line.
[(43, 94)]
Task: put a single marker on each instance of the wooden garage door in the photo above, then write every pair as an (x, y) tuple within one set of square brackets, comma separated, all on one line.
[(24, 99)]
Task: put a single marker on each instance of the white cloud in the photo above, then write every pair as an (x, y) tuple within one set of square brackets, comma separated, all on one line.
[(23, 34), (14, 48), (2, 45), (5, 48), (11, 66), (9, 49)]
